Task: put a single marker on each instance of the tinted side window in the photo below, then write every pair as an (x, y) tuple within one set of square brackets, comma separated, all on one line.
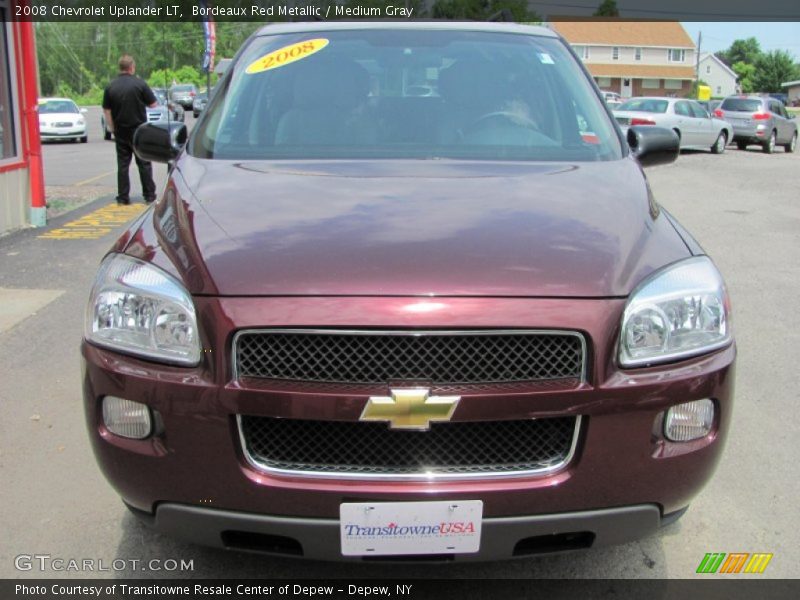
[(698, 111), (682, 108)]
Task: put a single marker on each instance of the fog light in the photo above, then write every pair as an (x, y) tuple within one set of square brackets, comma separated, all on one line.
[(126, 418), (689, 421)]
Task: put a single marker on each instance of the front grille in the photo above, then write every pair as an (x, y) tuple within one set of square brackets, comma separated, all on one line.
[(432, 357), (63, 124), (454, 449)]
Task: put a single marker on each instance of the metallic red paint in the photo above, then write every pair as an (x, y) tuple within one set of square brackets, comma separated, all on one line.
[(197, 454), (385, 228)]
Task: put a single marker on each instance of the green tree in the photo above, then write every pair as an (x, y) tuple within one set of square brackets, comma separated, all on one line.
[(746, 51), (745, 72), (772, 69), (607, 9), (84, 55), (165, 77)]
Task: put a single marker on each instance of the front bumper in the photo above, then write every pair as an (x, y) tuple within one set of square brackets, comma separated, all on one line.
[(501, 538), (62, 133), (196, 460)]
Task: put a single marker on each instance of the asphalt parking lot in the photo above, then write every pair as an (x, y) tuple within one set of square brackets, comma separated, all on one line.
[(92, 165), (742, 207)]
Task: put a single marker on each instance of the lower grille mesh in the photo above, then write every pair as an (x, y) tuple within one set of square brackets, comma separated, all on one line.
[(455, 448)]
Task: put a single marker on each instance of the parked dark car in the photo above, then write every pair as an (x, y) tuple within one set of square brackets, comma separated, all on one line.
[(780, 97), (361, 322), (759, 119), (183, 94)]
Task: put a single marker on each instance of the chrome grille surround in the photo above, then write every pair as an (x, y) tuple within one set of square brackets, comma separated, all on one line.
[(570, 370), (567, 431), (386, 357)]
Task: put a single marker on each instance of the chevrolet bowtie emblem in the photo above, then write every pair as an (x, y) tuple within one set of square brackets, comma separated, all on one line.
[(410, 408)]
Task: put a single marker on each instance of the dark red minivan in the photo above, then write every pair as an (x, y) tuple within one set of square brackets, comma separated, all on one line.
[(407, 293)]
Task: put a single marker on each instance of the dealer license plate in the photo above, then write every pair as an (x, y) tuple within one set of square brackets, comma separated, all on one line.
[(396, 528)]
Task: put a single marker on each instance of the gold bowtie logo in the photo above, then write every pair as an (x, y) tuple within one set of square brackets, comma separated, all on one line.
[(410, 408)]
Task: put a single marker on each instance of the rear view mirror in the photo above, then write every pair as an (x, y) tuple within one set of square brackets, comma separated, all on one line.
[(653, 145), (159, 142)]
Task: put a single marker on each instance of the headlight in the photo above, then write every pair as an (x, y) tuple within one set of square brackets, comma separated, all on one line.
[(680, 311), (139, 309), (80, 122)]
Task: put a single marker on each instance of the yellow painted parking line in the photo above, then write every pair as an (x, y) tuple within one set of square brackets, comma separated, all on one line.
[(91, 179), (96, 224)]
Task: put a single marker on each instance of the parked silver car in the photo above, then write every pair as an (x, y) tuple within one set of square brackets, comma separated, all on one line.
[(199, 103), (183, 94), (759, 120), (694, 126)]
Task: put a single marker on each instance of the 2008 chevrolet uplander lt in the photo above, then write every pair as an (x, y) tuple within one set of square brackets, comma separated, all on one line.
[(407, 292)]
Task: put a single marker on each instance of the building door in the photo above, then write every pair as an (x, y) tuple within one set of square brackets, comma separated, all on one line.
[(626, 90)]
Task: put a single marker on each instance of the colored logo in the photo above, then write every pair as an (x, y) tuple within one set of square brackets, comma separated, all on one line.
[(410, 408), (286, 55), (735, 562), (415, 529)]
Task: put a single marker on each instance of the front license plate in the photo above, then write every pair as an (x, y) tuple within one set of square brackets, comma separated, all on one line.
[(396, 528)]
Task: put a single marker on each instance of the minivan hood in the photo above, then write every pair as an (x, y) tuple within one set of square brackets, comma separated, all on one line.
[(448, 228)]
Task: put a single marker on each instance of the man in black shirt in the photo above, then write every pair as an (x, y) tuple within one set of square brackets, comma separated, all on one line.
[(125, 103)]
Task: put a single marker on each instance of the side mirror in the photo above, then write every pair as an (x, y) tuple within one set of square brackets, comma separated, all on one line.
[(653, 145), (84, 110), (159, 142)]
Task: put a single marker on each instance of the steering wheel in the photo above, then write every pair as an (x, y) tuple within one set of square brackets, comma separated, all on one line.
[(499, 117)]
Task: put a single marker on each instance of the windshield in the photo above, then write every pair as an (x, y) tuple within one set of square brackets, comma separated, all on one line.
[(741, 104), (406, 94), (49, 107), (645, 105), (182, 88), (161, 97)]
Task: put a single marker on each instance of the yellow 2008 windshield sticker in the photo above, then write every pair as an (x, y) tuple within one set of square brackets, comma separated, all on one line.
[(286, 55)]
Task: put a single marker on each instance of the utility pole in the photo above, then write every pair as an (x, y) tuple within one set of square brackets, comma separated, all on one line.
[(697, 65)]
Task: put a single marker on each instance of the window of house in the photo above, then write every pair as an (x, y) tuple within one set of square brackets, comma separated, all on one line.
[(615, 53), (651, 84), (719, 90), (708, 68), (677, 54), (637, 54), (673, 84), (582, 51), (604, 82), (8, 147)]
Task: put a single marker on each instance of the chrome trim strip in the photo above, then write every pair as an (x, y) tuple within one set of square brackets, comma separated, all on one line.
[(430, 477), (416, 333)]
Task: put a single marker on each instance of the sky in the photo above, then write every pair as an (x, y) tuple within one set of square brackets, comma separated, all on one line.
[(771, 36)]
